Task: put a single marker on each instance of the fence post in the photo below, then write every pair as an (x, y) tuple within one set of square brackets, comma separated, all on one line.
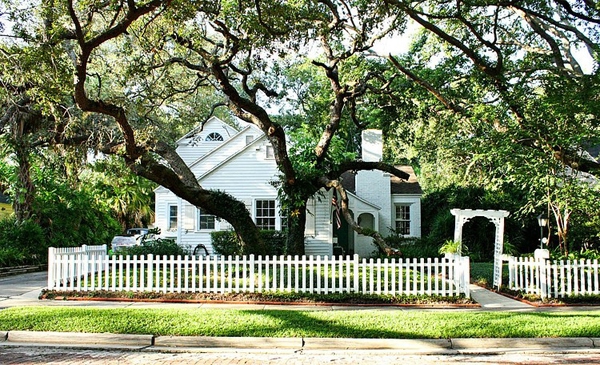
[(465, 277), (51, 268), (541, 255)]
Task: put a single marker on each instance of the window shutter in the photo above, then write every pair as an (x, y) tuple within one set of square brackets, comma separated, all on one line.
[(311, 217), (189, 217)]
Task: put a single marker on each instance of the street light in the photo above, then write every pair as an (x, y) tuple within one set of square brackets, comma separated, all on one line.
[(542, 222)]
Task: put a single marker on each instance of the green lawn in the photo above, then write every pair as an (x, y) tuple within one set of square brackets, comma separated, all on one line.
[(295, 323)]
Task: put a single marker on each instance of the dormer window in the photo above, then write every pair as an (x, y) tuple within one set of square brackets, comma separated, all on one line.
[(214, 137)]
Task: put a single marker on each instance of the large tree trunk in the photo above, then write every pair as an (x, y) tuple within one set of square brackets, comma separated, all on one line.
[(25, 190), (296, 227), (213, 202)]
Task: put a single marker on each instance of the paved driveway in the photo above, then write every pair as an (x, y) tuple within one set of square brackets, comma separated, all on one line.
[(17, 285)]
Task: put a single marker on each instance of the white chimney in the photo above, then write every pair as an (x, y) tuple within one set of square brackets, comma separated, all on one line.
[(374, 185), (372, 145)]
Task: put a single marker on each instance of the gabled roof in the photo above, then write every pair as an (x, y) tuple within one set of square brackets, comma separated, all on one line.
[(223, 145), (199, 128), (410, 186), (230, 157), (398, 186)]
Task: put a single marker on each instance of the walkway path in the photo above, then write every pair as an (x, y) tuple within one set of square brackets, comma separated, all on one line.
[(494, 301)]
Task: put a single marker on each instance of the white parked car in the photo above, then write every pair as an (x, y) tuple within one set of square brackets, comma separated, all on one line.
[(133, 237)]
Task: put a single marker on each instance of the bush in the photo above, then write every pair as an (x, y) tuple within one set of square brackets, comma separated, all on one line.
[(158, 247), (412, 247), (10, 256), (22, 243), (226, 242)]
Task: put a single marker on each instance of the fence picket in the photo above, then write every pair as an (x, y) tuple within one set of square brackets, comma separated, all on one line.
[(79, 270), (554, 279)]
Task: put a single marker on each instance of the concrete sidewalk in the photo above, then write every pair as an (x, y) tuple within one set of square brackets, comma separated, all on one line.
[(452, 346)]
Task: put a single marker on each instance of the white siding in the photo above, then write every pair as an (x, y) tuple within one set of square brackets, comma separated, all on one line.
[(192, 147), (163, 200), (246, 177), (321, 243), (226, 151)]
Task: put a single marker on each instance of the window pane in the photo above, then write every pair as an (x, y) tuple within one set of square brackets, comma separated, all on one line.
[(205, 221), (265, 214), (172, 216), (403, 219)]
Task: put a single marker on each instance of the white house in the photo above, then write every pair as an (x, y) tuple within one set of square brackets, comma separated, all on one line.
[(242, 164)]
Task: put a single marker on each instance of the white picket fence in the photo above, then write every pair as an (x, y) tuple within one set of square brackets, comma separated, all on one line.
[(68, 271), (553, 279)]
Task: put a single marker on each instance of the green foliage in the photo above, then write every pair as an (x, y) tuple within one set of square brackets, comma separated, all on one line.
[(412, 247), (478, 234), (453, 247), (70, 217), (227, 243), (583, 254), (22, 243), (114, 187), (158, 247)]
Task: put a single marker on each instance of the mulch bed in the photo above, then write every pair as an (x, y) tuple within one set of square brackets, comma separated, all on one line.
[(537, 301), (262, 298)]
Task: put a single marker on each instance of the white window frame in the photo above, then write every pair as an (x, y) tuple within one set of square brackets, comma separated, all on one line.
[(172, 218), (407, 221), (199, 216), (214, 137), (257, 216), (269, 152)]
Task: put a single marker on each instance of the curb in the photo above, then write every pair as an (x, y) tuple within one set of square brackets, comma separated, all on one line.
[(204, 343), (78, 339)]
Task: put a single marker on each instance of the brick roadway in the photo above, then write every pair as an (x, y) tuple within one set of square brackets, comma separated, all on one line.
[(10, 355)]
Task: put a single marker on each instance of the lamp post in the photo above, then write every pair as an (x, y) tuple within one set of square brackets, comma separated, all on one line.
[(542, 222)]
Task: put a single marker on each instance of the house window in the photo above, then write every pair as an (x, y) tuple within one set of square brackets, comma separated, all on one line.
[(270, 152), (213, 137), (205, 221), (265, 214), (403, 219), (172, 217)]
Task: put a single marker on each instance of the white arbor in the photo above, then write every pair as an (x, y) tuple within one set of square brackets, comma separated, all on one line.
[(462, 216)]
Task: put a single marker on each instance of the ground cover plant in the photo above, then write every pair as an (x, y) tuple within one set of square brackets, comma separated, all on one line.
[(303, 323), (267, 297)]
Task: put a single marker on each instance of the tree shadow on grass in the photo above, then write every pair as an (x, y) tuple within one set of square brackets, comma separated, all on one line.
[(404, 325)]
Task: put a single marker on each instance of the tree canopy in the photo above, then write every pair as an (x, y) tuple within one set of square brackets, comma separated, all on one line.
[(489, 90)]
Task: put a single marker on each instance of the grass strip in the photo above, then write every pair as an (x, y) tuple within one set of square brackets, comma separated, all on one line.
[(304, 323)]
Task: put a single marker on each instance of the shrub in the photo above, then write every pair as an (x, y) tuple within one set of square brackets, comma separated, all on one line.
[(11, 256), (227, 243), (412, 247), (22, 243), (275, 242)]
